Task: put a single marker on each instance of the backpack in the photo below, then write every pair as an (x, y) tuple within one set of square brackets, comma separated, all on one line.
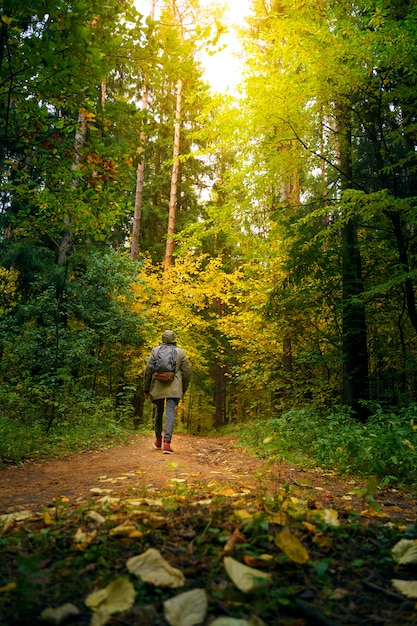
[(165, 364)]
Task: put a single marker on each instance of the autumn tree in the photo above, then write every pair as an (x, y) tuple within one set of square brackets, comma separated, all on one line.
[(336, 75)]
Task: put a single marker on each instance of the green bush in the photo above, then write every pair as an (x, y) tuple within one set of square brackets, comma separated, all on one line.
[(385, 446)]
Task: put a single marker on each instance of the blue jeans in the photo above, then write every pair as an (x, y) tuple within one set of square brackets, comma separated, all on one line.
[(169, 420)]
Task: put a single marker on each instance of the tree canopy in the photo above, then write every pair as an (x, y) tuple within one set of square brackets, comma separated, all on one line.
[(288, 209)]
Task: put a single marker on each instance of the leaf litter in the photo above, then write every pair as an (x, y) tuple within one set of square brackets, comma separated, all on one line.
[(212, 554)]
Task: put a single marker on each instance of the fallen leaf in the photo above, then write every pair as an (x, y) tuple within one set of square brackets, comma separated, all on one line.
[(47, 519), (101, 616), (323, 541), (152, 568), (259, 561), (310, 527), (156, 521), (407, 587), (186, 609), (8, 587), (127, 529), (292, 547), (84, 539), (9, 519), (243, 514), (245, 578), (405, 551), (339, 593), (328, 516), (227, 491), (280, 518), (373, 513), (235, 537), (118, 596), (60, 613), (95, 517)]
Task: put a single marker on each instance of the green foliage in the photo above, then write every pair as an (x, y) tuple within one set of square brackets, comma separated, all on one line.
[(88, 424), (71, 339), (385, 447)]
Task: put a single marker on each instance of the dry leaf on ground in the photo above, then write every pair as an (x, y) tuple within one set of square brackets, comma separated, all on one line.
[(152, 568)]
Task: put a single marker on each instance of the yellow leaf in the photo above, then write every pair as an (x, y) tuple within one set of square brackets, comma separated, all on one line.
[(84, 539), (405, 551), (47, 517), (280, 518), (267, 439), (245, 578), (95, 517), (96, 598), (156, 521), (60, 613), (118, 596), (310, 527), (18, 516), (8, 587), (227, 491), (407, 587), (243, 514), (186, 609), (322, 541), (152, 568), (328, 516), (127, 529), (101, 616), (292, 547), (373, 513)]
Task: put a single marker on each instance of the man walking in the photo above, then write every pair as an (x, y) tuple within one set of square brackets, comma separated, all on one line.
[(166, 383)]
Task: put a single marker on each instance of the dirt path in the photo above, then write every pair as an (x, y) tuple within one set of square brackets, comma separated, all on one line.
[(136, 468)]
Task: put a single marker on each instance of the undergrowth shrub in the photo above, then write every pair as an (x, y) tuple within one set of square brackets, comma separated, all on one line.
[(385, 446), (90, 424)]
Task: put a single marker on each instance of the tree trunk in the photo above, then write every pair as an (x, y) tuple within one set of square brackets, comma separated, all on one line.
[(354, 330), (402, 253), (219, 389), (140, 172), (174, 181), (140, 177), (80, 135)]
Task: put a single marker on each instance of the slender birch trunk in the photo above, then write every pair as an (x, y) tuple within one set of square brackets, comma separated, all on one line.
[(140, 178), (174, 182), (140, 171)]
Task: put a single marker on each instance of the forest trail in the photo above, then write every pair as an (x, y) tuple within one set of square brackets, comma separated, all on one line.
[(137, 468)]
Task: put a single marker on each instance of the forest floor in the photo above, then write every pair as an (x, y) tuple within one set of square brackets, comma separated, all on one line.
[(325, 542)]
